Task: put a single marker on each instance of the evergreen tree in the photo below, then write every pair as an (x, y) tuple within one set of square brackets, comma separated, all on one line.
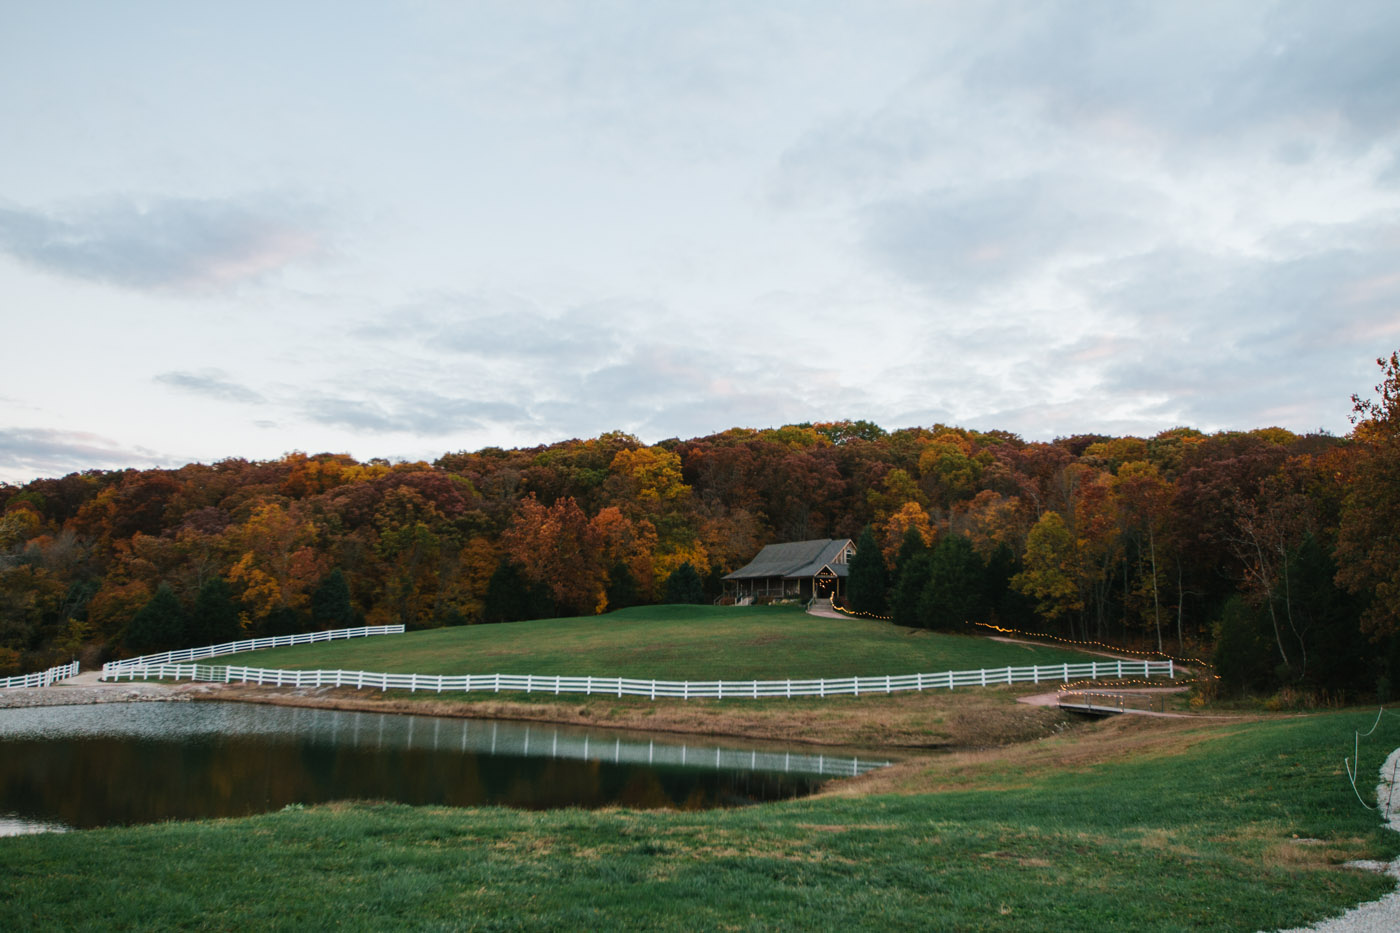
[(284, 620), (1005, 604), (622, 587), (954, 592), (1243, 654), (510, 597), (912, 546), (330, 603), (914, 573), (1329, 620), (868, 578), (684, 586), (159, 625), (214, 620)]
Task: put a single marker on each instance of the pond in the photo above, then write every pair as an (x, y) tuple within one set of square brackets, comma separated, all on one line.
[(79, 767)]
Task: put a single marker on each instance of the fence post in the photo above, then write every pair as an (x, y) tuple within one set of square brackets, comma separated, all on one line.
[(1171, 668), (1066, 677), (1120, 669), (587, 687)]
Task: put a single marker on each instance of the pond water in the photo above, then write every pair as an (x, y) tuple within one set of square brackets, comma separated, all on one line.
[(122, 763)]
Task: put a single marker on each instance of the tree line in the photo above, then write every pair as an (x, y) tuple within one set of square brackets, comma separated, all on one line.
[(1277, 551)]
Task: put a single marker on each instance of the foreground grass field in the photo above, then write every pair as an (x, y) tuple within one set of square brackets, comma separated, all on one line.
[(668, 643), (1134, 825)]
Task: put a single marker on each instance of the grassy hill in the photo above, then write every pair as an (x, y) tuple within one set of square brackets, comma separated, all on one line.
[(668, 643)]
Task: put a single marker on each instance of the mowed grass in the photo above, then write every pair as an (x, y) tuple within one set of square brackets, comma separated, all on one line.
[(1138, 825), (667, 643)]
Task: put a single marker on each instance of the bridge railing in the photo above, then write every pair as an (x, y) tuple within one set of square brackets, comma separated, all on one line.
[(112, 669), (42, 678), (1101, 702), (653, 689)]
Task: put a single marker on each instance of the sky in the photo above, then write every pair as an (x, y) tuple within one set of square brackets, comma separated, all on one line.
[(402, 229)]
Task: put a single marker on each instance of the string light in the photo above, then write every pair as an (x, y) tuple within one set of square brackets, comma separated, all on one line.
[(1208, 668), (859, 615), (1113, 684), (1021, 633)]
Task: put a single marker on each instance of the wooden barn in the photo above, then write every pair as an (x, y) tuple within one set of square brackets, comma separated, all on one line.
[(795, 570)]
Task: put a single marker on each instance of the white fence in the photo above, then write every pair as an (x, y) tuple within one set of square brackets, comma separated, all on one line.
[(114, 668), (623, 686), (41, 679)]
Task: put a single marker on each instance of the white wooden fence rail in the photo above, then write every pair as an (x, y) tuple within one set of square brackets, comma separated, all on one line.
[(624, 686), (112, 668), (41, 679)]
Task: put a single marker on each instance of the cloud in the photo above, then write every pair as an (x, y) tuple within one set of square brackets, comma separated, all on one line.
[(1205, 73), (26, 453), (505, 327), (177, 243), (392, 411), (960, 241), (212, 384)]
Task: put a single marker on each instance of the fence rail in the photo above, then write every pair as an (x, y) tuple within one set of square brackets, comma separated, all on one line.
[(654, 689), (41, 679), (113, 668)]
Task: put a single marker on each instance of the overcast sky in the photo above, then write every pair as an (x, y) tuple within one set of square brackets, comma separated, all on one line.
[(241, 229)]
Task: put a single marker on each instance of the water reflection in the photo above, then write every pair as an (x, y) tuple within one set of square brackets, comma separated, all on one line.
[(84, 766)]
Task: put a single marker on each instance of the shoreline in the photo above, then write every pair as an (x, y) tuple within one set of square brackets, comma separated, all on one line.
[(907, 723)]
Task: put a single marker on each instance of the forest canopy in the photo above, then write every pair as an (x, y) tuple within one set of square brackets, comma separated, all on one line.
[(1278, 551)]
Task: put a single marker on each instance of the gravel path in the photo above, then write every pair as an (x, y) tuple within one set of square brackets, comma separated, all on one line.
[(1382, 916), (86, 689)]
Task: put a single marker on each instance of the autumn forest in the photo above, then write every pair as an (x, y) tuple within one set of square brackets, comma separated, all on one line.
[(1273, 552)]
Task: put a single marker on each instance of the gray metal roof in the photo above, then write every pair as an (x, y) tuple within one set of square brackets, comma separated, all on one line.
[(794, 559)]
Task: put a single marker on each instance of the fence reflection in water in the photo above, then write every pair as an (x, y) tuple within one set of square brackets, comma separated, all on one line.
[(388, 730)]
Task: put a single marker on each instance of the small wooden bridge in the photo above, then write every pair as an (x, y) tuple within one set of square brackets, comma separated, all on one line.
[(1104, 703)]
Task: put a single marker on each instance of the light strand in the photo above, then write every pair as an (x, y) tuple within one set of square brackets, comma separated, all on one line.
[(1021, 633)]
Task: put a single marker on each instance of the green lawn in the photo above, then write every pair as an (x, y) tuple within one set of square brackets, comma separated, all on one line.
[(667, 643), (1141, 826)]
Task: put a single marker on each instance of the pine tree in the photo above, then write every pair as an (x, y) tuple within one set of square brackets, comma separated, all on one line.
[(684, 586), (622, 587), (330, 603), (159, 625), (914, 573), (868, 579), (953, 595), (510, 597), (214, 620)]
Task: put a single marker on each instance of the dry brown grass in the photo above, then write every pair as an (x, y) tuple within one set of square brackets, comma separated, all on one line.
[(1015, 768)]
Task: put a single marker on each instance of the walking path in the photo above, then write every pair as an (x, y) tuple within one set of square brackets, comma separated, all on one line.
[(87, 688)]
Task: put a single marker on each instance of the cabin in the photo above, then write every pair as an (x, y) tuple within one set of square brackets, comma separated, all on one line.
[(795, 570)]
